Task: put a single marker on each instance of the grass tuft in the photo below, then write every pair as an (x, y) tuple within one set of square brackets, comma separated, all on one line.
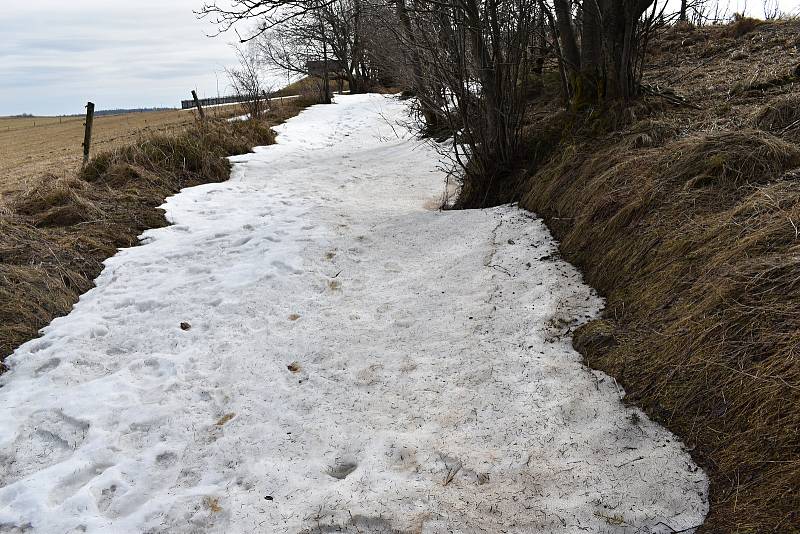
[(778, 114), (732, 159), (741, 26)]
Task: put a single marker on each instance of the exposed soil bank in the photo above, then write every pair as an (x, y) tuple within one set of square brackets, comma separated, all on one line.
[(687, 220)]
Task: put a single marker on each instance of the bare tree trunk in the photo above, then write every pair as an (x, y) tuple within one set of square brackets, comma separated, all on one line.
[(354, 77), (429, 113), (620, 19), (326, 83), (562, 69), (589, 85), (326, 78), (605, 69), (569, 45)]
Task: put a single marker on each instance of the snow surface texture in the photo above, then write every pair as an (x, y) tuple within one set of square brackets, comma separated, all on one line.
[(348, 360)]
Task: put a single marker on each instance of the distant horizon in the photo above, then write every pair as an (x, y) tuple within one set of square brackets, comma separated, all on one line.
[(119, 110), (54, 57), (98, 105), (97, 111), (125, 109)]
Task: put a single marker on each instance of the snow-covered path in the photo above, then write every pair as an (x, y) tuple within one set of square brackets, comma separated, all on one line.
[(349, 360)]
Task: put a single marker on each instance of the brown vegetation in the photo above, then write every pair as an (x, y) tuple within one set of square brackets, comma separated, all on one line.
[(687, 219), (780, 114), (33, 146), (741, 26), (55, 235)]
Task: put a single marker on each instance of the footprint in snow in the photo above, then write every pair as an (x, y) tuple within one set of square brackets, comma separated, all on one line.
[(285, 267), (341, 470), (46, 438), (151, 369), (72, 483), (105, 497), (46, 367)]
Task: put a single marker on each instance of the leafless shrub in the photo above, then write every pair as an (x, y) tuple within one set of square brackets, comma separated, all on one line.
[(246, 80)]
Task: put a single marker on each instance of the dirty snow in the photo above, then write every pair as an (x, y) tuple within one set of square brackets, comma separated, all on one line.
[(347, 359)]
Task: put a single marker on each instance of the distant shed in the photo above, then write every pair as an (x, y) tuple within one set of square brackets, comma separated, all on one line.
[(317, 67)]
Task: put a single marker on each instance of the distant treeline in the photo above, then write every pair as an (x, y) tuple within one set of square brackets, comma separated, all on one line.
[(120, 111)]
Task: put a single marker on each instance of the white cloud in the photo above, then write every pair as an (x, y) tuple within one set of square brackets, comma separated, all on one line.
[(56, 55)]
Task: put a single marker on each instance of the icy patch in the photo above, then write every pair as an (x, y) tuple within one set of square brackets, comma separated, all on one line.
[(309, 349)]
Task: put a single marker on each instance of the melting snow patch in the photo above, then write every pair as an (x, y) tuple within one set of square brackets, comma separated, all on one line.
[(309, 349)]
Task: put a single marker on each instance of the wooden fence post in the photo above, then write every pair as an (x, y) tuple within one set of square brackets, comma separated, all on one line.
[(197, 104), (87, 136)]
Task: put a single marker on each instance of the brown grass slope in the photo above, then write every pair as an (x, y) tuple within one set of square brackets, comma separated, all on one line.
[(688, 221), (55, 235)]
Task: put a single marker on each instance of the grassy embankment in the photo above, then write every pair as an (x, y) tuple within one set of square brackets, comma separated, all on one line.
[(687, 219), (56, 232), (33, 146)]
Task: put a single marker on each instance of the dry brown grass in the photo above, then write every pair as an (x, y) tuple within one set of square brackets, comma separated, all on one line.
[(702, 280), (33, 146), (780, 113), (688, 221), (731, 159), (55, 235), (310, 87), (725, 76), (741, 26)]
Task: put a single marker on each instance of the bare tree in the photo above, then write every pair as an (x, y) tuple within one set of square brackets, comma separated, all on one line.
[(290, 33), (345, 18), (247, 83), (772, 9), (263, 15), (602, 45), (291, 48), (471, 64)]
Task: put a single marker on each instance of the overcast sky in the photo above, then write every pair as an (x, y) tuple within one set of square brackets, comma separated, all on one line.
[(57, 54)]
